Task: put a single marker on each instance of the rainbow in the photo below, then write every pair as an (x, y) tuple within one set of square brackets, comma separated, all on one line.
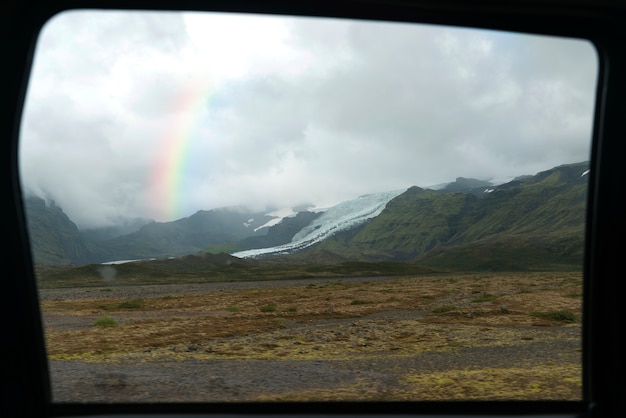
[(169, 173)]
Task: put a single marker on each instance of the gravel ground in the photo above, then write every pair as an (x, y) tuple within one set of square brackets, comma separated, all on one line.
[(148, 291), (247, 380), (225, 380)]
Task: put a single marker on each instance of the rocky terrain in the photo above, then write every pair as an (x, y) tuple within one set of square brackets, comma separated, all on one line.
[(463, 336)]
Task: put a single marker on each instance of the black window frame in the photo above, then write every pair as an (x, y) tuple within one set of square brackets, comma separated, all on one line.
[(25, 389)]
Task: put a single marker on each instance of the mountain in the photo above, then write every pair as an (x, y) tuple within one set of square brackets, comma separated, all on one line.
[(188, 235), (280, 233), (121, 227), (533, 221), (464, 185), (346, 215), (412, 223), (54, 238)]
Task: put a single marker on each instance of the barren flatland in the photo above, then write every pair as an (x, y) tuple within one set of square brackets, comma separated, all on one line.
[(474, 336)]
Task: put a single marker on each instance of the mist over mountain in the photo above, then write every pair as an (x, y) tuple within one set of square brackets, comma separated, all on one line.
[(123, 226), (54, 238), (188, 235), (465, 185), (535, 221)]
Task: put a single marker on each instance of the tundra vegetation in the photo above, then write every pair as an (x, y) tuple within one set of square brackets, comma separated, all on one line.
[(471, 322)]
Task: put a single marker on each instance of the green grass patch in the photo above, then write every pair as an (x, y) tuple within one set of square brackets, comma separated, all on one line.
[(485, 297), (127, 304), (560, 316), (105, 322), (359, 302), (131, 304), (194, 269), (574, 295), (444, 309), (229, 247), (270, 307)]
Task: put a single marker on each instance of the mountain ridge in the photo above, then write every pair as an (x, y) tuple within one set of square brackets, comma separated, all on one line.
[(542, 217), (541, 214)]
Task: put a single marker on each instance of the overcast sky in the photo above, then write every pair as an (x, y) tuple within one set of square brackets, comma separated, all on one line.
[(159, 114)]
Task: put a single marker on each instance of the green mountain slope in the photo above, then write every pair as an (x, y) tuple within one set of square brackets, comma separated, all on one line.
[(411, 224), (56, 240), (187, 235), (534, 222)]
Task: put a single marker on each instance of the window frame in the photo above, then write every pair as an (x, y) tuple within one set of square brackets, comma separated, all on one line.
[(25, 380)]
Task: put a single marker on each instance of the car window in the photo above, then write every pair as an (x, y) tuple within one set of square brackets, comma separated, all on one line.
[(231, 207)]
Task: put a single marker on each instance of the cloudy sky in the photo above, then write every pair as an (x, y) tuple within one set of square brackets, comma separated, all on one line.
[(159, 114)]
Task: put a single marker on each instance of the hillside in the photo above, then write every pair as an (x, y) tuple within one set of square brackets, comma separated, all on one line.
[(279, 234), (344, 216), (188, 235), (54, 238), (535, 221)]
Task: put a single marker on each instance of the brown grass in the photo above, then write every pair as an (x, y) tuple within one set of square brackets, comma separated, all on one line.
[(393, 318)]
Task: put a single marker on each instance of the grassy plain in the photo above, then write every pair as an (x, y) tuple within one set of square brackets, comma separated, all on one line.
[(497, 335)]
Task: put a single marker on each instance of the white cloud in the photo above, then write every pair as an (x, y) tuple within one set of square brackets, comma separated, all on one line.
[(160, 115)]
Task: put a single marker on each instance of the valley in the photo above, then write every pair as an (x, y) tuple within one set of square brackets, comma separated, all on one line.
[(470, 291)]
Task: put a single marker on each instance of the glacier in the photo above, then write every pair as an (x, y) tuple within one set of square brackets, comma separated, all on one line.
[(340, 217), (278, 215)]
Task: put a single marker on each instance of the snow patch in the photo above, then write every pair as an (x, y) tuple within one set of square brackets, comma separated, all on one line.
[(278, 215), (109, 263), (342, 216), (268, 224)]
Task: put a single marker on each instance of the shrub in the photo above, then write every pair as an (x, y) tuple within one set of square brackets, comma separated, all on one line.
[(270, 307), (444, 308), (561, 316), (485, 297), (105, 322), (574, 295), (358, 302), (131, 304)]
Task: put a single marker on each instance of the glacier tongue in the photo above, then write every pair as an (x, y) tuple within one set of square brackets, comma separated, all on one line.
[(342, 216)]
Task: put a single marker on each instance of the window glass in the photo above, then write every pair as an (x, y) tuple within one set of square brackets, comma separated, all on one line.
[(231, 207)]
